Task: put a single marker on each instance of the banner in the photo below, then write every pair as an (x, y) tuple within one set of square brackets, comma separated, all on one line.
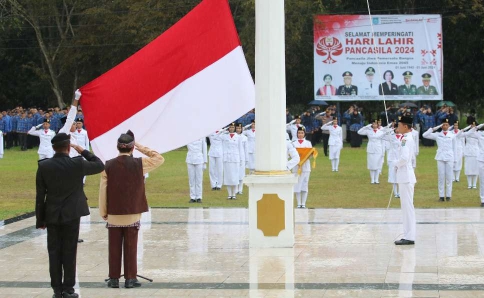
[(396, 57)]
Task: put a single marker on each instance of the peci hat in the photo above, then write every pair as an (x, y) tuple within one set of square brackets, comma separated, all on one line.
[(301, 129), (46, 120), (406, 119), (79, 119), (445, 120), (126, 140), (60, 138)]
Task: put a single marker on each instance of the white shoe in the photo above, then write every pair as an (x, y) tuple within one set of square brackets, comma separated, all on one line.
[(397, 196), (474, 187), (299, 206), (469, 187), (303, 206)]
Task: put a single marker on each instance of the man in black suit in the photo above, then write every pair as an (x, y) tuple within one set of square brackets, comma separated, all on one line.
[(60, 203)]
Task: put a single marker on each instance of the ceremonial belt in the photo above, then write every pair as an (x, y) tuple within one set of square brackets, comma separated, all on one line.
[(304, 155)]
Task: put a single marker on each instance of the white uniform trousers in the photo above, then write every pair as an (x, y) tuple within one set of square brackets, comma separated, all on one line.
[(44, 156), (216, 171), (481, 180), (251, 162), (446, 175), (195, 180), (302, 182), (1, 144), (408, 210)]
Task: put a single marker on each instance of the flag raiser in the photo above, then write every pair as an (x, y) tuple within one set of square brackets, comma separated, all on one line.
[(188, 82)]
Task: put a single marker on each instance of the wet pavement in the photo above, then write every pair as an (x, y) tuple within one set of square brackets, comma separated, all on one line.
[(205, 253)]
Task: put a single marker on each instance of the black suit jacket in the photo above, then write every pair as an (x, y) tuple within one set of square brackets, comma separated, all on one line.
[(384, 87), (60, 195)]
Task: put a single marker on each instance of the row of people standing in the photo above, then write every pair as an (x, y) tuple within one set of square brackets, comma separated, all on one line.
[(232, 151)]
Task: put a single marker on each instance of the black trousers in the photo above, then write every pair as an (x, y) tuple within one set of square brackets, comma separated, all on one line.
[(62, 248), (22, 140), (348, 136), (356, 139), (325, 143)]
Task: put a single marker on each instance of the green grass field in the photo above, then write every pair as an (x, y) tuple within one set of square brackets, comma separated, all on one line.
[(168, 185)]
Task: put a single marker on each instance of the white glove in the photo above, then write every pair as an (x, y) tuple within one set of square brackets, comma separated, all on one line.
[(437, 127), (467, 128), (39, 126), (204, 167), (293, 121), (77, 94)]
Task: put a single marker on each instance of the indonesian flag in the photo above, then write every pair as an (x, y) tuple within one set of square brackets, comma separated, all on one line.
[(187, 83)]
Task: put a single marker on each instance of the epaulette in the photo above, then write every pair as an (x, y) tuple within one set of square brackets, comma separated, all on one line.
[(42, 160)]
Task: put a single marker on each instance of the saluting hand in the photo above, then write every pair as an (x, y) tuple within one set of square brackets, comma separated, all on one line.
[(78, 148)]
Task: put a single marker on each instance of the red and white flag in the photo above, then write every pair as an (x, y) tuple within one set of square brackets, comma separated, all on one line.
[(188, 82)]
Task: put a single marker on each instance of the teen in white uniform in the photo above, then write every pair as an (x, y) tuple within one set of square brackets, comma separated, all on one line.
[(232, 148), (383, 149), (81, 134), (374, 149), (459, 143), (416, 137), (292, 155), (250, 134), (1, 144), (293, 126), (244, 158), (335, 142), (471, 150), (301, 188), (406, 180), (196, 162), (216, 165), (69, 125), (394, 139), (479, 135), (45, 136), (445, 157)]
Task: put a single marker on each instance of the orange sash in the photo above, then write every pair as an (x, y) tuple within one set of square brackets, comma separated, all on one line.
[(304, 155)]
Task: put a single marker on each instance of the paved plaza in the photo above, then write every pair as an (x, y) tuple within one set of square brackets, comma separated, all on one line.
[(205, 253)]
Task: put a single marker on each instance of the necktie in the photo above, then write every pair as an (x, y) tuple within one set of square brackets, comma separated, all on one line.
[(371, 85), (231, 135), (253, 130), (445, 133), (79, 131), (300, 141), (374, 130), (335, 126), (46, 131)]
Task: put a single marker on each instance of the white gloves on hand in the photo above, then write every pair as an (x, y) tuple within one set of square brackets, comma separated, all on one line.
[(204, 167), (77, 94)]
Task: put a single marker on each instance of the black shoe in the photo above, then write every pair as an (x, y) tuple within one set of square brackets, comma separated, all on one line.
[(69, 295), (192, 201), (404, 242), (234, 198), (199, 200), (217, 188), (441, 199), (229, 198), (214, 188), (57, 295), (482, 204), (132, 283), (448, 199), (113, 283), (80, 240)]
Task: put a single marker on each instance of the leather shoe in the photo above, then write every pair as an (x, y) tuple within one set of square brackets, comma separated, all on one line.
[(482, 204), (404, 242), (132, 283), (69, 295), (441, 199), (448, 199), (192, 201), (199, 200), (113, 283), (57, 295)]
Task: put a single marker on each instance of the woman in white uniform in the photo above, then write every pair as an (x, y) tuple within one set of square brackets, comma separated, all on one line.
[(244, 157), (232, 148), (293, 126), (374, 149), (216, 165), (196, 162), (301, 188), (45, 135), (250, 134), (335, 142), (471, 150), (459, 143), (394, 140)]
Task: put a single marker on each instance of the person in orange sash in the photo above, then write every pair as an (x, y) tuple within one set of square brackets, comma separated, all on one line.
[(301, 188)]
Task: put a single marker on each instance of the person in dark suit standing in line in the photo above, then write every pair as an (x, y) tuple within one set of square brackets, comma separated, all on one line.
[(60, 203), (387, 87)]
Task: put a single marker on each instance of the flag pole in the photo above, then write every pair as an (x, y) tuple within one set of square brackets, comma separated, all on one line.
[(271, 207)]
